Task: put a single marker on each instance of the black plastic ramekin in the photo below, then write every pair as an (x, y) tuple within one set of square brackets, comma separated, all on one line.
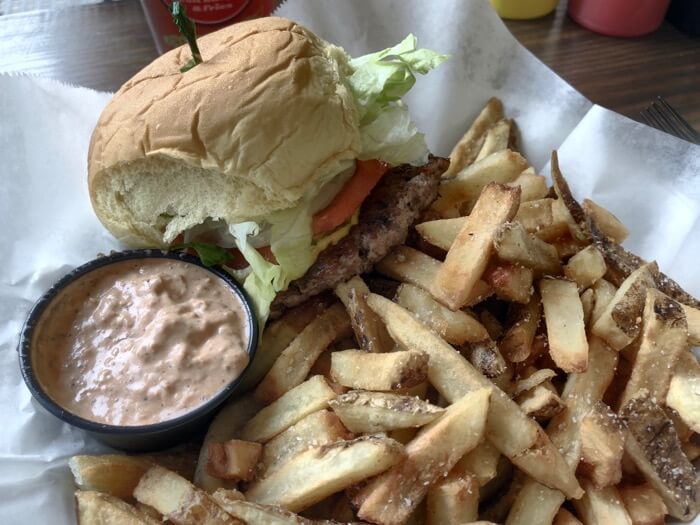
[(144, 437)]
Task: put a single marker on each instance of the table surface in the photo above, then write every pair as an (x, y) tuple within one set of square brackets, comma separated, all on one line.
[(100, 45)]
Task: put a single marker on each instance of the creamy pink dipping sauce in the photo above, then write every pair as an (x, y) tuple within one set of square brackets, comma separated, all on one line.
[(140, 341)]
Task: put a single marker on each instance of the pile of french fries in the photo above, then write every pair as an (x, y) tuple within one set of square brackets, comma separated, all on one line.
[(511, 363)]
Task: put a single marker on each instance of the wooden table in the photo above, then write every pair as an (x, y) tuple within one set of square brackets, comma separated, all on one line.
[(101, 45)]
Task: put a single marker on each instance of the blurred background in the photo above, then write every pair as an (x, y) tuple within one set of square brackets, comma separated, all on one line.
[(101, 43)]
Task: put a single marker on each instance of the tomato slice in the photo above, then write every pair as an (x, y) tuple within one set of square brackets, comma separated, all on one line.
[(367, 175)]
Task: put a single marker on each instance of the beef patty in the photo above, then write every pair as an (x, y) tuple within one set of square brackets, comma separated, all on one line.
[(385, 218)]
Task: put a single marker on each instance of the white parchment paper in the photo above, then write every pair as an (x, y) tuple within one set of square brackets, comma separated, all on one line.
[(649, 179)]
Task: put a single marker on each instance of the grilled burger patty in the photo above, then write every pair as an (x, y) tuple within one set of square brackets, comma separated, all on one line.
[(385, 218)]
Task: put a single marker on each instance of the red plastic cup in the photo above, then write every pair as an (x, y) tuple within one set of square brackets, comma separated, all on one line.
[(208, 15), (627, 18)]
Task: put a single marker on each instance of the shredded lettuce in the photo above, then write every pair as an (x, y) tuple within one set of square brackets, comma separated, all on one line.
[(377, 82)]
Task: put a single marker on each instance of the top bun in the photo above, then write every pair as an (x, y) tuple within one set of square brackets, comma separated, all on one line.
[(262, 119)]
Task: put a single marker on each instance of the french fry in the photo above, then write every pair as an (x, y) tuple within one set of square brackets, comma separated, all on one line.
[(178, 500), (294, 363), (577, 220), (606, 221), (492, 324), (387, 371), (316, 429), (113, 474), (470, 252), (564, 517), (508, 428), (430, 456), (620, 323), (467, 149), (496, 139), (510, 282), (96, 508), (369, 331), (278, 334), (310, 396), (408, 265), (456, 327), (459, 195), (604, 293), (453, 501), (587, 304), (602, 446), (370, 412), (481, 462), (514, 244), (542, 218), (487, 359), (643, 504), (692, 316), (664, 338), (601, 506), (536, 503), (541, 402), (653, 445), (226, 425), (532, 378), (586, 267), (683, 391), (234, 459), (532, 186), (249, 512), (441, 232), (566, 330), (516, 344), (317, 473)]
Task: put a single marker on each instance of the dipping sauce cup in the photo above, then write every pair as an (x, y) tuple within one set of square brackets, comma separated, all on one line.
[(138, 348)]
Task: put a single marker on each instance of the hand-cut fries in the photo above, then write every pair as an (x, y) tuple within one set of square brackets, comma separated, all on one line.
[(508, 428), (178, 500), (643, 504), (234, 459), (455, 327), (466, 150), (602, 505), (370, 412), (319, 472), (532, 186), (510, 282), (453, 501), (294, 363), (653, 446), (516, 344), (430, 456), (620, 323), (602, 446), (664, 338), (319, 428), (470, 252), (566, 329), (97, 508), (430, 433), (369, 331), (389, 371), (683, 391), (586, 267), (516, 245), (606, 221), (310, 396)]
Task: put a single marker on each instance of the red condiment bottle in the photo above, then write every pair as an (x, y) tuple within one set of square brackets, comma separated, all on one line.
[(627, 18), (209, 15)]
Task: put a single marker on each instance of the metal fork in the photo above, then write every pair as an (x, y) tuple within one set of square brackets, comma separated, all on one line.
[(661, 115)]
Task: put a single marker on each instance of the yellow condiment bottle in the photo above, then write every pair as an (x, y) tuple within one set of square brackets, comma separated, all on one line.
[(523, 9)]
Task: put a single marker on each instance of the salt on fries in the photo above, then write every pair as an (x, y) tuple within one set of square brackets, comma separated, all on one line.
[(422, 401)]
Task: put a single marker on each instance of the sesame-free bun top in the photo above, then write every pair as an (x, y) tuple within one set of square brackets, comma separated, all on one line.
[(265, 117)]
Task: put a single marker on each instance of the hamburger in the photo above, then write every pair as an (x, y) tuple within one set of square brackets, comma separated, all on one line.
[(300, 161)]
